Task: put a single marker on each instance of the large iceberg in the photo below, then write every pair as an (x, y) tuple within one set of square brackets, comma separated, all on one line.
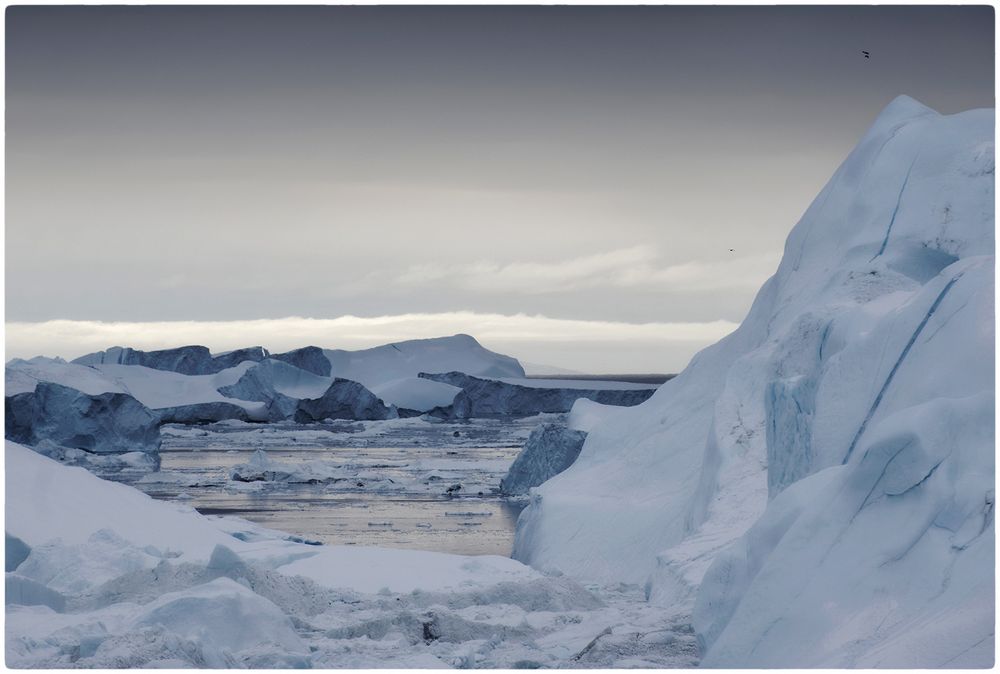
[(832, 459), (99, 423), (184, 359)]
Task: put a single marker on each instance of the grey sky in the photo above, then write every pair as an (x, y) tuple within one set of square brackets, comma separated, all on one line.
[(584, 163)]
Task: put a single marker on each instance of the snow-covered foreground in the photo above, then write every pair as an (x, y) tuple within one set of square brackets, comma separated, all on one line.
[(819, 485), (104, 576)]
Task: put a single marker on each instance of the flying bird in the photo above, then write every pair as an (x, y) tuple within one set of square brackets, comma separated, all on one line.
[(867, 54)]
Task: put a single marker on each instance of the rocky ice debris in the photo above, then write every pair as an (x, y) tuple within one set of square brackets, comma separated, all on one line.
[(550, 449), (344, 399), (493, 398), (101, 423)]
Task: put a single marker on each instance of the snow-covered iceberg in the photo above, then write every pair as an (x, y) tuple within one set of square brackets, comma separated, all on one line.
[(382, 364), (832, 459)]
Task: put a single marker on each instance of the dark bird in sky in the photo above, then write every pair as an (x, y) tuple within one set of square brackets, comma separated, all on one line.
[(731, 250), (867, 54)]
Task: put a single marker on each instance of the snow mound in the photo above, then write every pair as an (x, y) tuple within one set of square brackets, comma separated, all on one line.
[(382, 364), (230, 622), (881, 310), (415, 393)]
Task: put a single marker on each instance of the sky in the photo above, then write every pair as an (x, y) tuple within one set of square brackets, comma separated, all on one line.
[(601, 189)]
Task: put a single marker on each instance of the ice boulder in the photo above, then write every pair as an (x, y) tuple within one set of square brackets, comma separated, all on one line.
[(550, 450), (209, 412), (15, 552), (231, 624), (224, 361), (105, 423), (344, 399)]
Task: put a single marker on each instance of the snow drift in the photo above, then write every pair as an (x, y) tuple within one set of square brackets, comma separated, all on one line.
[(832, 459)]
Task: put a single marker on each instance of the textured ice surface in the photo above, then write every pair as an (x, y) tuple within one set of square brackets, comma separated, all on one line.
[(494, 398), (871, 539), (550, 449), (147, 584)]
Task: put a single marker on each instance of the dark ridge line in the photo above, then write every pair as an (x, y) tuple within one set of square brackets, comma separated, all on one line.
[(627, 378), (899, 361)]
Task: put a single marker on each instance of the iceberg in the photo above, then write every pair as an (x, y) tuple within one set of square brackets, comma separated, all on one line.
[(550, 450), (817, 487), (101, 423), (495, 398), (183, 360), (382, 364), (344, 399)]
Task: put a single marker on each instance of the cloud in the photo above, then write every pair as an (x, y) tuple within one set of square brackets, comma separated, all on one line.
[(514, 333), (635, 267)]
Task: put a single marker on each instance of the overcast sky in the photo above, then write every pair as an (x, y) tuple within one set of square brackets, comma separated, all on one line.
[(564, 183)]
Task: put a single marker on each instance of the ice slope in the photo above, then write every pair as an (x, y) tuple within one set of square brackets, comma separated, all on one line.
[(21, 376), (382, 364), (416, 393), (882, 305)]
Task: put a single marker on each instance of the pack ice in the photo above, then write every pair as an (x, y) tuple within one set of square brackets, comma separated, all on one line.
[(817, 488)]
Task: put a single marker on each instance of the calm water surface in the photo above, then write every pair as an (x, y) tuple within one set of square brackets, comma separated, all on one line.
[(392, 488)]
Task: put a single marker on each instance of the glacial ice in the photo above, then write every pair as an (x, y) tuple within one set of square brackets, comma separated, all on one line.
[(183, 360), (344, 399), (494, 398), (818, 486), (382, 364), (550, 449), (148, 583), (101, 423)]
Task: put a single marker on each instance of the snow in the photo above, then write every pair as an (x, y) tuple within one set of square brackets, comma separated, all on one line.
[(875, 335), (415, 393), (382, 364), (372, 569)]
